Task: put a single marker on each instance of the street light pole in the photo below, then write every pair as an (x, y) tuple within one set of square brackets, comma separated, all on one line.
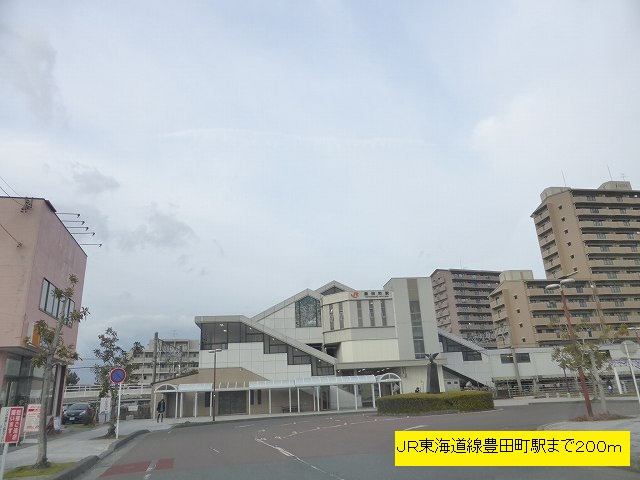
[(213, 400), (572, 336)]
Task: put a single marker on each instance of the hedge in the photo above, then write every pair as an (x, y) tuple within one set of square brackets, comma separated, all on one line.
[(419, 403)]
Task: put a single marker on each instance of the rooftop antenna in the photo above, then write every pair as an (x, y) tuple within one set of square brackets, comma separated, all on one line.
[(563, 179), (624, 177), (610, 176)]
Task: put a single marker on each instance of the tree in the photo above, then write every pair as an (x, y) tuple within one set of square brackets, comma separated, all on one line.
[(587, 354), (72, 378), (112, 356), (53, 351)]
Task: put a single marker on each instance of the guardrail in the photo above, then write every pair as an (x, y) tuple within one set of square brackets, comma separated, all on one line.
[(92, 391)]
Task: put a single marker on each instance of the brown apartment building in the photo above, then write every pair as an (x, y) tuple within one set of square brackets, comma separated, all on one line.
[(591, 236), (37, 253), (461, 300)]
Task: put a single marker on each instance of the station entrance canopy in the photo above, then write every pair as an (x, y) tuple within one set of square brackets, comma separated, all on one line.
[(349, 388)]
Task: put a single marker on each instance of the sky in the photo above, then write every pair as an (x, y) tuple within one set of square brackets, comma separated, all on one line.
[(229, 155)]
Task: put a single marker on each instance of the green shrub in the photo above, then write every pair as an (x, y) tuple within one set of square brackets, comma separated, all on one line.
[(419, 403)]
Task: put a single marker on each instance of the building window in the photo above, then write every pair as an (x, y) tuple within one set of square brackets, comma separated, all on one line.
[(416, 328), (308, 312), (383, 311), (597, 223), (595, 210), (591, 198), (615, 289), (340, 315), (608, 261), (601, 235), (612, 275), (51, 305), (506, 358), (360, 320), (372, 315), (256, 395), (523, 357), (604, 248), (330, 317), (471, 356)]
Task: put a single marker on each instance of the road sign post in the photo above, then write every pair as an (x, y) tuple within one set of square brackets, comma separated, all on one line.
[(10, 425), (118, 376)]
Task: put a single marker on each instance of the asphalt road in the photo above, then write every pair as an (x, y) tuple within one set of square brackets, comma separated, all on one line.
[(329, 447)]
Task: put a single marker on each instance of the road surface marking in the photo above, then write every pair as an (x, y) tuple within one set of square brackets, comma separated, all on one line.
[(414, 428), (289, 454)]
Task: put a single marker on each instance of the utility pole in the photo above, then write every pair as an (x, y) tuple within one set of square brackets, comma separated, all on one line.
[(155, 357)]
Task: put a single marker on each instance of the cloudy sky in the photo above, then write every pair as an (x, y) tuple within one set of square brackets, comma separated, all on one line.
[(230, 154)]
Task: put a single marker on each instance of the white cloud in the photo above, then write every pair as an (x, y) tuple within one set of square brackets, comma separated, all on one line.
[(27, 62), (161, 229), (91, 181)]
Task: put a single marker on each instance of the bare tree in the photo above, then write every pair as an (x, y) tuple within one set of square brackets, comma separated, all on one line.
[(53, 351), (588, 355)]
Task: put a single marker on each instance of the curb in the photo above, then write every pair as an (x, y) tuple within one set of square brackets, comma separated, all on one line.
[(89, 462)]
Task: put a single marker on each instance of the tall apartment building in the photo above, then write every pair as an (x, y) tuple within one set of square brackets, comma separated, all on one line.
[(591, 236), (590, 233), (461, 300), (172, 358), (37, 254)]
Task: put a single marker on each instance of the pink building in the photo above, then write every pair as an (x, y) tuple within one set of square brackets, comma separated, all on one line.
[(37, 252)]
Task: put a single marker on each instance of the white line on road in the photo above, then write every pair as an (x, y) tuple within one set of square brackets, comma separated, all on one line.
[(215, 450), (150, 468), (289, 454), (244, 426), (414, 428)]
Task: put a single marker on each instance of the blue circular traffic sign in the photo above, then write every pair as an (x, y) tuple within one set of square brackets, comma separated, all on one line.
[(118, 375)]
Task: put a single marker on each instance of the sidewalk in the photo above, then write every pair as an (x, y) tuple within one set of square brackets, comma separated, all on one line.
[(77, 443), (632, 424)]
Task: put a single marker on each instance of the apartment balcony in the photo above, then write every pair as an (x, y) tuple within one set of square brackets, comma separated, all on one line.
[(618, 276), (475, 328), (623, 305), (607, 291), (543, 306), (612, 250), (613, 262), (548, 337), (591, 237), (533, 292), (606, 200), (541, 230), (549, 251), (581, 306)]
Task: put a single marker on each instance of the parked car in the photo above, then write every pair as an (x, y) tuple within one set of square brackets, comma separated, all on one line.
[(79, 413)]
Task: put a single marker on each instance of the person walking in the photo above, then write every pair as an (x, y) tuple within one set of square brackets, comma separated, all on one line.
[(160, 409)]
